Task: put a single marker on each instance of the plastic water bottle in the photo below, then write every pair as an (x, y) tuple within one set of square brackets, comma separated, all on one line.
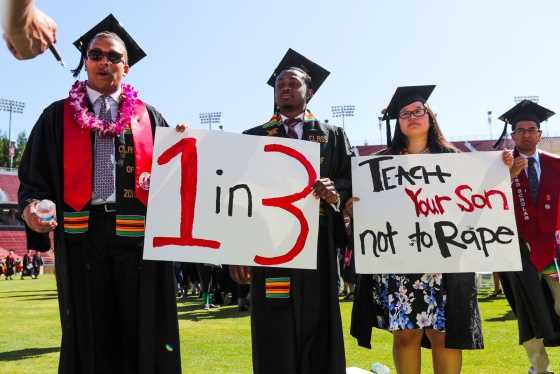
[(378, 368), (46, 210)]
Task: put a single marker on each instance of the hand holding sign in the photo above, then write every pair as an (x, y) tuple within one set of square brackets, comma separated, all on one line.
[(240, 274), (324, 189), (519, 164)]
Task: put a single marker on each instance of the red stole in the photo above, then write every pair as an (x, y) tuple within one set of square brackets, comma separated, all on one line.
[(78, 157), (536, 220)]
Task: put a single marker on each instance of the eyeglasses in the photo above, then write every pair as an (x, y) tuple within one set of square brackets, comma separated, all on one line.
[(417, 113), (97, 55), (531, 131)]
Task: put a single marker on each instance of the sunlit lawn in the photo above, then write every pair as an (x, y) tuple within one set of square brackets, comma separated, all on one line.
[(218, 341)]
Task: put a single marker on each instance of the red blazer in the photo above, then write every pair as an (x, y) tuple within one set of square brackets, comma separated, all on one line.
[(538, 230)]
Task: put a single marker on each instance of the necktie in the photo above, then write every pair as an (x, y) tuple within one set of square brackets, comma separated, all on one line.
[(533, 179), (290, 123), (103, 179)]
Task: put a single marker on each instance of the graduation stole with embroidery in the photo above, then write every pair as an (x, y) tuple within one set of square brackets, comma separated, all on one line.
[(271, 126), (134, 161), (520, 186), (520, 194)]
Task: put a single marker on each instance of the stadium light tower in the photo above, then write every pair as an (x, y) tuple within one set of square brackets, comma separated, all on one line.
[(11, 106), (380, 119), (343, 111), (210, 118), (519, 99), (490, 123)]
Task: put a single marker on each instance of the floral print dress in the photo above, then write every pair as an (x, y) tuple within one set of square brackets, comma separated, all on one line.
[(413, 301)]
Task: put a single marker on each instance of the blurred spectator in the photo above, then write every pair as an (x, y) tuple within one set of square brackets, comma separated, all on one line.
[(10, 262), (27, 270), (37, 264), (348, 271), (207, 274), (179, 280)]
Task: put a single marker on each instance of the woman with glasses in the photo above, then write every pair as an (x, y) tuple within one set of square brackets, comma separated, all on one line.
[(437, 311)]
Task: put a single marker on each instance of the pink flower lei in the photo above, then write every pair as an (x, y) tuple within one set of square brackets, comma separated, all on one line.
[(87, 120)]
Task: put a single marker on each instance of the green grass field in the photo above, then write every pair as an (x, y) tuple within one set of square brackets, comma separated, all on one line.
[(219, 341)]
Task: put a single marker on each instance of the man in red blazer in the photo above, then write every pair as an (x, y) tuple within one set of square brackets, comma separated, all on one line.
[(534, 293)]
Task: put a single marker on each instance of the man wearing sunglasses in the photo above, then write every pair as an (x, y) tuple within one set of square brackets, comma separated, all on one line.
[(91, 155), (534, 293)]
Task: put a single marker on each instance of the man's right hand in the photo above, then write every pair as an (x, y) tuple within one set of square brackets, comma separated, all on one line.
[(29, 31), (34, 222), (519, 163), (240, 274)]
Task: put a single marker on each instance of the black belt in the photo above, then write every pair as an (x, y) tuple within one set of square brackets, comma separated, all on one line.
[(107, 208)]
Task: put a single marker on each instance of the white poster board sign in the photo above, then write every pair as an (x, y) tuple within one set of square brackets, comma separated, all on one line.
[(225, 198), (434, 213)]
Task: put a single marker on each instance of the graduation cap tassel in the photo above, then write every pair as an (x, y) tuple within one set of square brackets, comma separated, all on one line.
[(388, 129), (76, 72), (499, 141)]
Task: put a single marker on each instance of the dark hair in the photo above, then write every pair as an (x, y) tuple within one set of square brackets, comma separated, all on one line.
[(436, 141)]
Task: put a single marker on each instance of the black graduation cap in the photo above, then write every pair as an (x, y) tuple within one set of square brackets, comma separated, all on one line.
[(109, 23), (402, 97), (525, 110), (292, 59)]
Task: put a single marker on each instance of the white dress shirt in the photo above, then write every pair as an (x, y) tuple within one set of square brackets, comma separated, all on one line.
[(297, 128), (95, 99)]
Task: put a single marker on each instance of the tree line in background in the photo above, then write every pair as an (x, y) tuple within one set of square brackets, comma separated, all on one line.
[(19, 144)]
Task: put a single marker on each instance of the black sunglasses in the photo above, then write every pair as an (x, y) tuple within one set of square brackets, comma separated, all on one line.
[(97, 55)]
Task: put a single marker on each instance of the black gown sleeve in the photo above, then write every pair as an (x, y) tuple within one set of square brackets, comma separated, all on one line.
[(343, 177), (38, 178)]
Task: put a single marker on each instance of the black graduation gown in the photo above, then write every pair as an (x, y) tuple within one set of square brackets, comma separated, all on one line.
[(531, 302), (41, 177), (10, 265), (303, 334), (26, 270)]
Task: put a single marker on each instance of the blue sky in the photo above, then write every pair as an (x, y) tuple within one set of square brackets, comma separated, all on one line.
[(210, 55)]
